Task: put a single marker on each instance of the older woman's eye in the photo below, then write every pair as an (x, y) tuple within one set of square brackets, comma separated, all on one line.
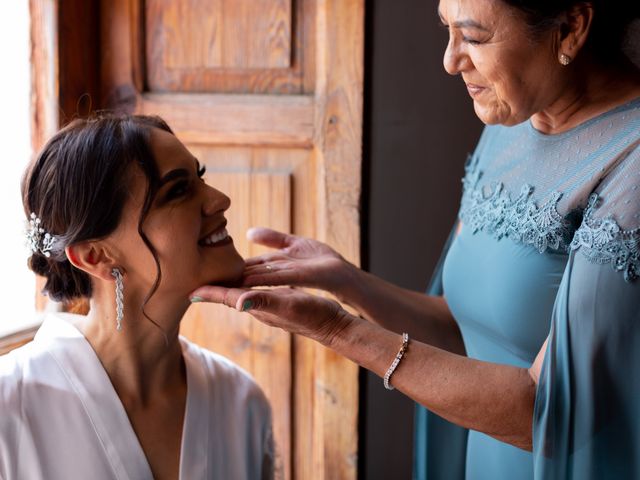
[(202, 169), (471, 41)]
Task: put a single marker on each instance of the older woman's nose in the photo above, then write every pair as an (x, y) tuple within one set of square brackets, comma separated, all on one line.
[(453, 58), (215, 201)]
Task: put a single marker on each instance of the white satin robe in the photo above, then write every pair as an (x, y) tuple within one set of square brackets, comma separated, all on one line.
[(60, 417)]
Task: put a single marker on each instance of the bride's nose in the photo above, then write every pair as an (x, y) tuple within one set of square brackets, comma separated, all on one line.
[(215, 201)]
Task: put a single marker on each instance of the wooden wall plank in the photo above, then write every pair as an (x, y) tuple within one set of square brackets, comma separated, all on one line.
[(45, 94), (339, 97), (17, 339), (284, 120), (243, 34), (190, 32), (118, 55), (257, 34), (78, 49), (243, 46), (44, 71), (271, 205), (259, 197)]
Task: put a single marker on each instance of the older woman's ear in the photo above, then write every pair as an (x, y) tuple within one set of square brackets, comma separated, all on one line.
[(573, 32), (92, 258)]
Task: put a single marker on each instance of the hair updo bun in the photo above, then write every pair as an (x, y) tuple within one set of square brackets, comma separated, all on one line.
[(63, 280), (77, 187)]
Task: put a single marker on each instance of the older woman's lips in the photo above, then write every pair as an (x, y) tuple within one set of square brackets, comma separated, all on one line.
[(475, 89)]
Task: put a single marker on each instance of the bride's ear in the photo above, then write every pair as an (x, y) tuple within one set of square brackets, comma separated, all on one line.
[(93, 258)]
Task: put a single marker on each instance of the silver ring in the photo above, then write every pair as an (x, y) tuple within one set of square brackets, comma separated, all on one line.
[(269, 268)]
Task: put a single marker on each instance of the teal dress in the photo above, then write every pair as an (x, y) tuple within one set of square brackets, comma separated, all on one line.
[(547, 245)]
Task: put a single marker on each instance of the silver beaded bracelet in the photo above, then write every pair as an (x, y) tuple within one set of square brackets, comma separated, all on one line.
[(396, 361)]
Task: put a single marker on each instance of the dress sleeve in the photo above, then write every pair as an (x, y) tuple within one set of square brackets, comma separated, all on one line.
[(587, 412)]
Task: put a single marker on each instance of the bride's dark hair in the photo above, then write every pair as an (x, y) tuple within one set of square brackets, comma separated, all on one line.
[(78, 186)]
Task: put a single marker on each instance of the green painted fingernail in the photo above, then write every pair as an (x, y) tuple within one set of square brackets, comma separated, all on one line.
[(247, 305), (196, 299)]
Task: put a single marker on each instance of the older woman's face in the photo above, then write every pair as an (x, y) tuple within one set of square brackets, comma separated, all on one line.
[(509, 75)]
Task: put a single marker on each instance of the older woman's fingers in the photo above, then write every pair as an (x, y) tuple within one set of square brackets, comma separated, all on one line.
[(259, 268), (222, 295), (275, 301), (269, 278), (252, 300), (266, 257), (267, 267), (269, 238)]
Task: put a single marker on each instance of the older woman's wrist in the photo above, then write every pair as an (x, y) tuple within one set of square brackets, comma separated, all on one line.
[(337, 331), (366, 344), (349, 280)]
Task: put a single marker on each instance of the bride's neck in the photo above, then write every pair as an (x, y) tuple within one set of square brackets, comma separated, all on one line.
[(143, 358)]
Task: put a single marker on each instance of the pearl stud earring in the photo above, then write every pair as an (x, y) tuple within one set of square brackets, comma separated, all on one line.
[(565, 59)]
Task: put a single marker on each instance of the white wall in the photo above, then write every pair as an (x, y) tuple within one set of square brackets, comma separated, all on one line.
[(17, 283)]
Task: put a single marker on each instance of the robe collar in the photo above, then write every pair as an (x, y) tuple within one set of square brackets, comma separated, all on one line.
[(103, 407)]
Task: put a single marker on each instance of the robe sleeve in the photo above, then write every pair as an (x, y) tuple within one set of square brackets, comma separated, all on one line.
[(10, 426), (439, 447), (269, 453), (587, 412)]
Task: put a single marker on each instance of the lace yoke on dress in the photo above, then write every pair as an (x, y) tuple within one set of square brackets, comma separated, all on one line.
[(575, 191)]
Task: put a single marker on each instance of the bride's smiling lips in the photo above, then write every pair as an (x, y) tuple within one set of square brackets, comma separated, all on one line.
[(216, 237)]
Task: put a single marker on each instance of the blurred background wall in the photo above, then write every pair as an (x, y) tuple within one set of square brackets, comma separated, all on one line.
[(419, 128)]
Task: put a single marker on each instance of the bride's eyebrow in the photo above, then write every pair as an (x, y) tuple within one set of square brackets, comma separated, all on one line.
[(174, 175), (178, 173)]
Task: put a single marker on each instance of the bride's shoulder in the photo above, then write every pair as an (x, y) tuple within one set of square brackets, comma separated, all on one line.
[(13, 368), (221, 373)]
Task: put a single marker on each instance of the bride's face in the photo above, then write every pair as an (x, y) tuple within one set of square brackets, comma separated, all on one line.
[(185, 225)]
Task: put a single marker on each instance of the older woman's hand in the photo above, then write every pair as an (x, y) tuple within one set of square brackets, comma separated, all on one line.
[(292, 310), (298, 261)]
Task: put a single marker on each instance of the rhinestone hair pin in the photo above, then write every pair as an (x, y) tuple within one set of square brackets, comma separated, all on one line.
[(38, 240)]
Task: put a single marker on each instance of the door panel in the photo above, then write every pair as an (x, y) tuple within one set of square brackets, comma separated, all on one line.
[(206, 34), (280, 120), (259, 197), (229, 46), (268, 95)]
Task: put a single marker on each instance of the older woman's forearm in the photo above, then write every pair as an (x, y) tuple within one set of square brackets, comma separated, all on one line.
[(491, 398), (425, 318)]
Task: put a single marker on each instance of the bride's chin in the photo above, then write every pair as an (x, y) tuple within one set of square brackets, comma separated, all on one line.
[(233, 283), (232, 276)]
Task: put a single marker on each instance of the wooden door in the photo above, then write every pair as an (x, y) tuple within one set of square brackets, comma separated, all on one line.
[(268, 95)]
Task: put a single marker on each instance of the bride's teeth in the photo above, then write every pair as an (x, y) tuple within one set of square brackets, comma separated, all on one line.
[(216, 237)]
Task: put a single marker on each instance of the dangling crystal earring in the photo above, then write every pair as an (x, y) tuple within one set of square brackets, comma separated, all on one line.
[(117, 274), (565, 59)]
